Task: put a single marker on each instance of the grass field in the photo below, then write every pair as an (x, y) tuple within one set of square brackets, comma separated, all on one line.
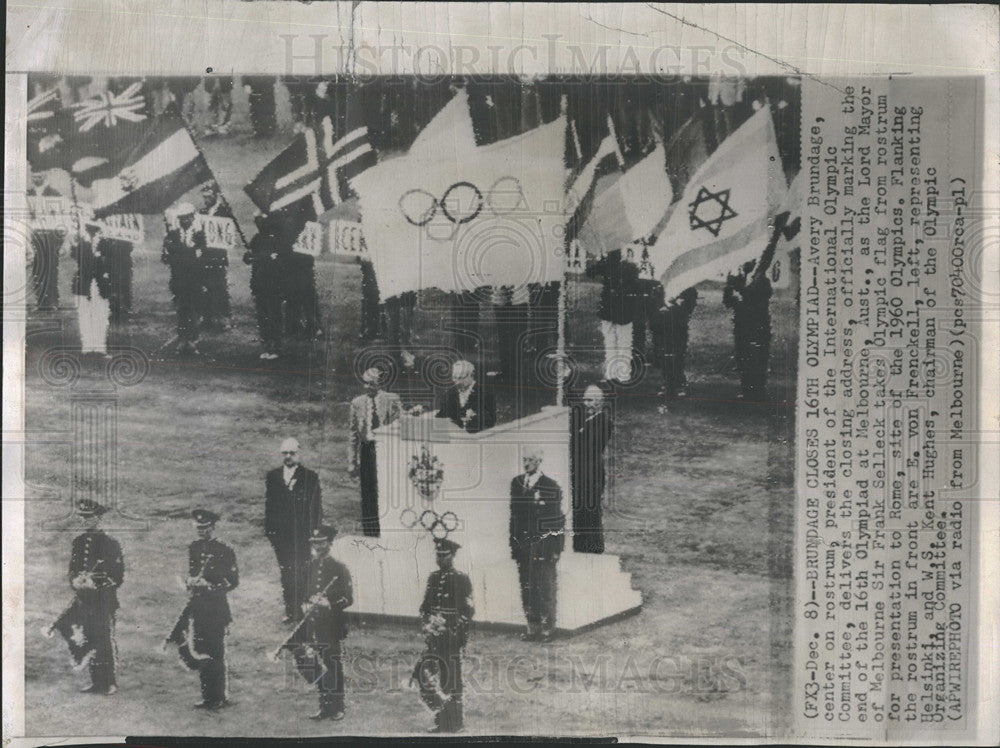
[(701, 517)]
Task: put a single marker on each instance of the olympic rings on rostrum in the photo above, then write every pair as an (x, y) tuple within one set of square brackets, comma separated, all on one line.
[(439, 526), (419, 206)]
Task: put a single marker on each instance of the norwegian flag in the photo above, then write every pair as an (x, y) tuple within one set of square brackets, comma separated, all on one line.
[(105, 130), (314, 172)]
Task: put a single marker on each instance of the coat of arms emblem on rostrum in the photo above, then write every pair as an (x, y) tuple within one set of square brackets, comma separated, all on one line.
[(426, 474)]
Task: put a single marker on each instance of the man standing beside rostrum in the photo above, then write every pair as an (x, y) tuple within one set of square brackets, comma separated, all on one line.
[(537, 539), (369, 411), (293, 508)]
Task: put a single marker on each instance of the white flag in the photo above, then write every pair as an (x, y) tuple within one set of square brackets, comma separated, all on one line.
[(630, 208), (457, 218)]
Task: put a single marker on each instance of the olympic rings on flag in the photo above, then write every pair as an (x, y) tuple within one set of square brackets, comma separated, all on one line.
[(462, 202), (439, 526)]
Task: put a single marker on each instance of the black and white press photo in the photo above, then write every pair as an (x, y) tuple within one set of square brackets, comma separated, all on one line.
[(364, 400)]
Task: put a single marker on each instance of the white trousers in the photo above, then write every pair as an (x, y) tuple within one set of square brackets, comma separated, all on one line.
[(93, 315), (617, 351)]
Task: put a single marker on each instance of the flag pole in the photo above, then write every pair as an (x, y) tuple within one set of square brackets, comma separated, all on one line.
[(562, 366), (201, 155)]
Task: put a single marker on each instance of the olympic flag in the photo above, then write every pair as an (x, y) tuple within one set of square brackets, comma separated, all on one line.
[(455, 216)]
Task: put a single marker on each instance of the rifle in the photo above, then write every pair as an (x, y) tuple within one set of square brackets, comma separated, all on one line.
[(284, 644)]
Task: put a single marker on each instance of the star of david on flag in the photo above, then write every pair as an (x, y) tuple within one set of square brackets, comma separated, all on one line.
[(711, 217), (726, 205)]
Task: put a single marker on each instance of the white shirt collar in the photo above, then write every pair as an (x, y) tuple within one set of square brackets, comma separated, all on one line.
[(531, 480)]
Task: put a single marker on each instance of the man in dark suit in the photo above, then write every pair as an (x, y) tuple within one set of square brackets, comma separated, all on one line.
[(670, 326), (748, 294), (468, 403), (265, 254), (184, 250), (47, 236), (293, 508), (117, 254), (96, 571), (537, 540), (317, 643), (590, 432), (212, 573)]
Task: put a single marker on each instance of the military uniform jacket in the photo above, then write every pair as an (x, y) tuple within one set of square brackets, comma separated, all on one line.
[(215, 562), (292, 512), (101, 556), (183, 251), (329, 624), (449, 594), (536, 520)]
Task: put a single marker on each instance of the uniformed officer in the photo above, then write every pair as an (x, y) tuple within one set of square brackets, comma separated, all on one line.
[(318, 640), (183, 250), (212, 573), (748, 294), (215, 307), (96, 571), (446, 613)]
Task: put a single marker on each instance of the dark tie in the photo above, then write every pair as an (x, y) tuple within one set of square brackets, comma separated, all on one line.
[(375, 421)]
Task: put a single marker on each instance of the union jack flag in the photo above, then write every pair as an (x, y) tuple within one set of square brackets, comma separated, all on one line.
[(107, 108), (313, 173), (104, 131)]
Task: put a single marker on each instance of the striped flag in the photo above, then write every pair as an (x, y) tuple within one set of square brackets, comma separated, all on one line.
[(630, 208), (164, 165), (314, 172), (581, 182), (725, 207)]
